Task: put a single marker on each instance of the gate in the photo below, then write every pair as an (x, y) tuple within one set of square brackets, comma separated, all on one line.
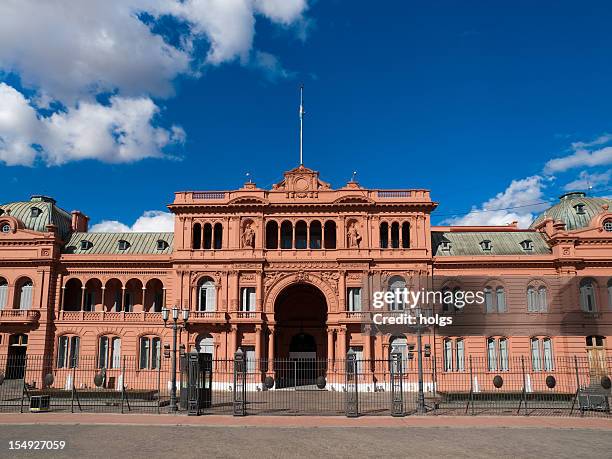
[(196, 387)]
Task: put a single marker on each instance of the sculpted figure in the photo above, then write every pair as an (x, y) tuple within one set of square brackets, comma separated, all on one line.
[(248, 237), (354, 238)]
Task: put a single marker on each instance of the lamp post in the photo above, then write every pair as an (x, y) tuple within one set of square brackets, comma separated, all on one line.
[(421, 395), (175, 327)]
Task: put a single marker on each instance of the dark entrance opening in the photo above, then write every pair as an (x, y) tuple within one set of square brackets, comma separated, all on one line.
[(16, 358), (301, 338)]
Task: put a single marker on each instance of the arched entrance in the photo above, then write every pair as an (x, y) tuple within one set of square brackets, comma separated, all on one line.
[(300, 313)]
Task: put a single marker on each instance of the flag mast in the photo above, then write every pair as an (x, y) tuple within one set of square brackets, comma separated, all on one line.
[(301, 123)]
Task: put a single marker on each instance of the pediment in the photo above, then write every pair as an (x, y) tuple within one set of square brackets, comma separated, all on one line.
[(249, 200), (353, 199), (301, 180)]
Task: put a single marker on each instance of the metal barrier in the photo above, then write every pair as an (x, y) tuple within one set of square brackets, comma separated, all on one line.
[(564, 386)]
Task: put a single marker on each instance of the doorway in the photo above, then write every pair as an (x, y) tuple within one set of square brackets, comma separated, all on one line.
[(16, 359), (595, 346)]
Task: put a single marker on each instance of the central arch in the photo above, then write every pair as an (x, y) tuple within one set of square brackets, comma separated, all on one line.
[(300, 313)]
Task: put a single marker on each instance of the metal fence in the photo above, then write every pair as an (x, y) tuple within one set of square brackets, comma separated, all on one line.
[(569, 386)]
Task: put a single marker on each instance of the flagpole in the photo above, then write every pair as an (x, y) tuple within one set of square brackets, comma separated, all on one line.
[(301, 123)]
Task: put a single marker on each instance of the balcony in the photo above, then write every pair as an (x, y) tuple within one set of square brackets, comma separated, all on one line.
[(207, 317), (18, 316), (137, 317), (246, 316), (355, 317)]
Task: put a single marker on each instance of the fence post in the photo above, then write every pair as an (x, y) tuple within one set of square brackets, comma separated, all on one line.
[(397, 394), (352, 397), (239, 383), (471, 397), (72, 389), (24, 388), (524, 385), (159, 364)]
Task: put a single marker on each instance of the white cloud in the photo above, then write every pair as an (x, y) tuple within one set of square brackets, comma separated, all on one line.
[(69, 52), (586, 181), (122, 131), (270, 66), (584, 155), (152, 221), (519, 202)]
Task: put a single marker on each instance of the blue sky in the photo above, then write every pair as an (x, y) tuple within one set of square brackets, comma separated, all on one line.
[(469, 99)]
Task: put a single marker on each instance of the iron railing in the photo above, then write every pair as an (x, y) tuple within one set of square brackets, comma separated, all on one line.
[(569, 386)]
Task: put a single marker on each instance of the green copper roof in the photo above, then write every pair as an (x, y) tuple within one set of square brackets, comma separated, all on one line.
[(501, 243), (565, 210), (108, 243), (49, 213)]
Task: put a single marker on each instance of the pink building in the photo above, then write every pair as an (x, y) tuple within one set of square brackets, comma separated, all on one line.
[(290, 272)]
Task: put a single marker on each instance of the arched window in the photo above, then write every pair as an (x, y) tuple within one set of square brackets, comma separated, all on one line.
[(196, 238), (218, 236), (497, 354), (397, 284), (532, 300), (588, 302), (488, 296), (395, 235), (207, 236), (542, 299), (68, 351), (150, 352), (459, 354), (207, 296), (286, 235), (315, 234), (536, 360), (542, 354), (384, 235), (24, 294), (448, 354), (205, 344), (3, 292), (109, 352), (272, 235), (330, 234), (405, 235), (491, 354), (301, 234)]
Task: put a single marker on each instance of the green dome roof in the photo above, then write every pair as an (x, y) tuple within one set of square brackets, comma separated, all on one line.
[(48, 213), (575, 209)]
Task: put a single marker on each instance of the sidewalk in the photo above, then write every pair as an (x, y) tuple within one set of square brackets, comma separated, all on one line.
[(307, 421)]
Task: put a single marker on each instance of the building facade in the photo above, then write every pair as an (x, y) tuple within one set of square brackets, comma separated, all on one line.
[(290, 273)]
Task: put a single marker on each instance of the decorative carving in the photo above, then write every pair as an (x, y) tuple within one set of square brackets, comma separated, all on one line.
[(331, 277), (248, 237), (247, 277), (354, 238), (271, 278), (302, 277)]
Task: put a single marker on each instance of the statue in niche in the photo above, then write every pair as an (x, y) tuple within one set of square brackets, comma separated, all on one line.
[(248, 237), (354, 238)]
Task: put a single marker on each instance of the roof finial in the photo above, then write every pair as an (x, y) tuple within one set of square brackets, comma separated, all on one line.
[(353, 176), (301, 123)]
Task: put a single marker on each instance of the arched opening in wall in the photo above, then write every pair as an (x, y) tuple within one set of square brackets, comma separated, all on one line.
[(301, 235), (218, 236), (405, 235), (24, 292), (384, 235), (113, 295), (300, 311), (73, 295), (3, 292), (196, 236), (395, 235), (154, 296), (133, 295), (330, 234), (16, 357), (207, 236), (315, 234), (588, 299), (397, 283), (204, 344), (207, 295), (286, 235), (272, 235), (93, 294)]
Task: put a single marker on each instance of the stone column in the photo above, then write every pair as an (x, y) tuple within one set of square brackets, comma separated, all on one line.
[(258, 347), (233, 342), (367, 348), (342, 343), (103, 298), (271, 349), (83, 298), (330, 346)]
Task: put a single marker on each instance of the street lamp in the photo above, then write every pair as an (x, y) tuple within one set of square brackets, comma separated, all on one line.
[(419, 328), (175, 327)]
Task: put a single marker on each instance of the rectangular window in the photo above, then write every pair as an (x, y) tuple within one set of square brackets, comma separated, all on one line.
[(549, 363), (488, 299), (459, 355), (116, 353), (448, 355), (491, 354), (358, 358), (62, 351), (144, 353), (536, 364), (247, 299), (503, 354), (155, 353), (249, 354), (103, 352), (74, 352), (501, 300), (354, 299)]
